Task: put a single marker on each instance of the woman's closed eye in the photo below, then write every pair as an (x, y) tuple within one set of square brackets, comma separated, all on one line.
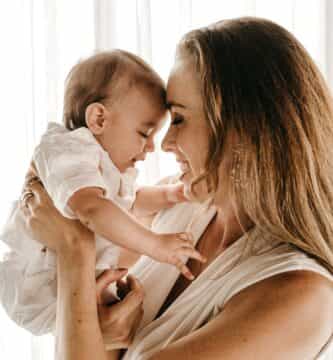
[(142, 134), (177, 120)]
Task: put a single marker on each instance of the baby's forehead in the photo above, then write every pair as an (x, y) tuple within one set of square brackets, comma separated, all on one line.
[(148, 83), (155, 124)]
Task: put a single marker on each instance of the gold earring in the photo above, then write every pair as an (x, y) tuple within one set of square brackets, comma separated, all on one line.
[(236, 164)]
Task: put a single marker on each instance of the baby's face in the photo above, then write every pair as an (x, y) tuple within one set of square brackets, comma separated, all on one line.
[(132, 123)]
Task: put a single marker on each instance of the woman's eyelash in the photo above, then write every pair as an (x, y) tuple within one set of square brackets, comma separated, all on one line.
[(177, 120), (143, 134)]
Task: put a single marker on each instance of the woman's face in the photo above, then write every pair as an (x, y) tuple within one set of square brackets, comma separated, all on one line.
[(187, 136)]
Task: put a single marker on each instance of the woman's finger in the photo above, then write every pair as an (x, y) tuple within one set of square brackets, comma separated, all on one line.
[(25, 197), (30, 197), (136, 323), (25, 210), (135, 285), (133, 299), (32, 174), (38, 190), (122, 288), (105, 279), (32, 180)]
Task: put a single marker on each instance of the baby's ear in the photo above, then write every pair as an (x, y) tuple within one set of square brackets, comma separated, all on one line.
[(95, 118)]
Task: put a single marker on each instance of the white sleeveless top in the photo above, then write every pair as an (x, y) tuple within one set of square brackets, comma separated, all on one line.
[(206, 296)]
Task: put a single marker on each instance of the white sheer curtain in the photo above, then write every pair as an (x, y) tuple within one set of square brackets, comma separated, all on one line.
[(41, 40)]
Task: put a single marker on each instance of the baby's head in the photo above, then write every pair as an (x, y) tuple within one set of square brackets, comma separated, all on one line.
[(121, 99)]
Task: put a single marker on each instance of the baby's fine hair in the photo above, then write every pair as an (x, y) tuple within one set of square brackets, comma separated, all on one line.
[(105, 77)]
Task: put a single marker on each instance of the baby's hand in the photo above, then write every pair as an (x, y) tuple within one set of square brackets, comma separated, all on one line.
[(174, 249), (175, 193)]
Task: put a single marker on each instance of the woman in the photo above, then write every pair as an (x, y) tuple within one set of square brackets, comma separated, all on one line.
[(252, 129)]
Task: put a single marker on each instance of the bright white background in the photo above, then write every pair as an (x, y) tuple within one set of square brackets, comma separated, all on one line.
[(40, 41)]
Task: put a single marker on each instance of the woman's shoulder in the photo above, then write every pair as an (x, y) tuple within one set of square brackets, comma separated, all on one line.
[(296, 302), (305, 286), (280, 288), (302, 278), (262, 259)]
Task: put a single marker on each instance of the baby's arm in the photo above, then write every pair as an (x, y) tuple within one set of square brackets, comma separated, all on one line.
[(151, 199), (128, 258), (105, 218)]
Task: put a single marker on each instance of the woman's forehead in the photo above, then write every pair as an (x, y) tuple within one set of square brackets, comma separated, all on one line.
[(183, 87)]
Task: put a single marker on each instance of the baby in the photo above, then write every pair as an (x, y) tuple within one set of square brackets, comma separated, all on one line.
[(114, 105)]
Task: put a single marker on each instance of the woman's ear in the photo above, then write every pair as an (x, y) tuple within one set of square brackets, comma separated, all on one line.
[(95, 118)]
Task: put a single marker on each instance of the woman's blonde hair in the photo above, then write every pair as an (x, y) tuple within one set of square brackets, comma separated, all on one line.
[(105, 77), (259, 82)]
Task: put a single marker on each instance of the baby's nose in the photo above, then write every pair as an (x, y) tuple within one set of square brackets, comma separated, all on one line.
[(150, 146), (168, 143)]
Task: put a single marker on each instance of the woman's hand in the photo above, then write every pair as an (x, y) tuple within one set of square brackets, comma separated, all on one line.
[(119, 321), (45, 222)]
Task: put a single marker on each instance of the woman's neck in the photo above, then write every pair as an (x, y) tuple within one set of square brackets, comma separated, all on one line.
[(232, 227)]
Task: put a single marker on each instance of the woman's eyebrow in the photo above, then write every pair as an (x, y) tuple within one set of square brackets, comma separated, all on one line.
[(149, 124), (170, 104)]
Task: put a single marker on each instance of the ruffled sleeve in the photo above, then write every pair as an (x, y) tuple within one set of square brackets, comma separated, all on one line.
[(68, 161)]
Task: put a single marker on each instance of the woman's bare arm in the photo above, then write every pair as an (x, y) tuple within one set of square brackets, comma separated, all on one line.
[(287, 316), (81, 312), (78, 335)]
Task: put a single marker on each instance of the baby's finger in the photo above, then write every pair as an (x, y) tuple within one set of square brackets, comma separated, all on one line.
[(183, 269), (191, 253), (187, 237), (185, 244)]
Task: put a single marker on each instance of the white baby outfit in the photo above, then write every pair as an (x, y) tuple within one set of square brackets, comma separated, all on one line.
[(66, 161)]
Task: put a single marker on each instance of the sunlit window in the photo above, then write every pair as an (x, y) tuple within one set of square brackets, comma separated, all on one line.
[(41, 41)]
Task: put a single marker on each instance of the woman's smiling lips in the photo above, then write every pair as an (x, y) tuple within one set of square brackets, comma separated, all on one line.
[(184, 165)]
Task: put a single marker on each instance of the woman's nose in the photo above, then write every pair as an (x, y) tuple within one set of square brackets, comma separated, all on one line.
[(168, 143)]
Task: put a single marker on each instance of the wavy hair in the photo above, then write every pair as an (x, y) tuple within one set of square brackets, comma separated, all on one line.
[(258, 81), (105, 77)]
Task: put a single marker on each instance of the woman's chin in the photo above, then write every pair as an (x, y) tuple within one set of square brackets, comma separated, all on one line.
[(199, 194), (186, 178)]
